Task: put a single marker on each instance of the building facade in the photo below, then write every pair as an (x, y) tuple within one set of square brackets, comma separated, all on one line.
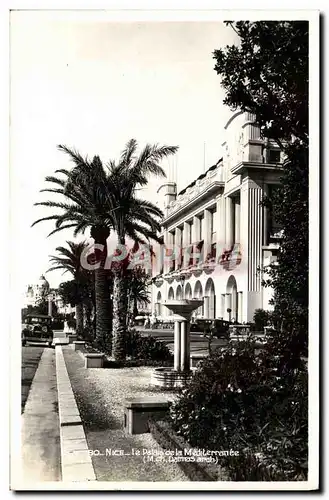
[(218, 237), (36, 292)]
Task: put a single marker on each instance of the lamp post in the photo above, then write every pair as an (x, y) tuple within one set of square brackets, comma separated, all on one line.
[(50, 298)]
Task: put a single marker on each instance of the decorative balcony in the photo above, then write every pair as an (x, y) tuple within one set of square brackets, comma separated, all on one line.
[(206, 184), (158, 280)]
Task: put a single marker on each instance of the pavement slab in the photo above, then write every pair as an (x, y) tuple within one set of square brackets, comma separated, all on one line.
[(40, 425), (75, 461)]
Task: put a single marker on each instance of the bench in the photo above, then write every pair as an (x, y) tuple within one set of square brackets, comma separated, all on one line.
[(138, 411), (71, 337), (60, 341), (78, 345), (94, 360)]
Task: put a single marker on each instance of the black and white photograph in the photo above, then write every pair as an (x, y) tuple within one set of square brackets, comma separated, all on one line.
[(166, 330)]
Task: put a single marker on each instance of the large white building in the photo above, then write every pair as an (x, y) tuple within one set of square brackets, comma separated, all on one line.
[(220, 217)]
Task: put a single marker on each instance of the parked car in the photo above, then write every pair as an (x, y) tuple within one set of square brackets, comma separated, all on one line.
[(37, 328), (221, 329)]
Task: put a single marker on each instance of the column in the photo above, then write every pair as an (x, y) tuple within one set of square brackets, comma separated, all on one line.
[(234, 307), (206, 233), (178, 249), (167, 247), (196, 229), (177, 346), (195, 236), (252, 232), (50, 307), (185, 346), (186, 256), (222, 306), (266, 217), (228, 305), (220, 227), (206, 307), (159, 256), (212, 307), (229, 223), (237, 220), (240, 308)]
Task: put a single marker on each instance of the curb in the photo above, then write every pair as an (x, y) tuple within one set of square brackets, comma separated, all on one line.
[(75, 459)]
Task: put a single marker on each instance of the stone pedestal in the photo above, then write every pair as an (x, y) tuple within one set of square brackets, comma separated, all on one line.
[(180, 373), (139, 410), (78, 345), (94, 360)]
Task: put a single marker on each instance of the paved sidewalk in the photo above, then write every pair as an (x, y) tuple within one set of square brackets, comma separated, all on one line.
[(100, 394), (40, 425)]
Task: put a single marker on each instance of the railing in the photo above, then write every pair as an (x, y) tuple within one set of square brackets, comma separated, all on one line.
[(193, 191)]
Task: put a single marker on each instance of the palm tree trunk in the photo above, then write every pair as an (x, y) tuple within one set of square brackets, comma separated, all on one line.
[(135, 308), (119, 316), (103, 309), (102, 295), (79, 318)]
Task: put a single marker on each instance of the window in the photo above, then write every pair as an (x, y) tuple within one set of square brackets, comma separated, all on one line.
[(274, 156)]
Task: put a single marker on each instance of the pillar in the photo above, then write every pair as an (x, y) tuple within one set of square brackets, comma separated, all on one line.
[(212, 307), (228, 305), (50, 307), (234, 302), (168, 242), (178, 246), (220, 227), (206, 233), (196, 229), (186, 242), (237, 220), (223, 302), (185, 346), (240, 307), (229, 222), (252, 232), (177, 346), (206, 307), (266, 217)]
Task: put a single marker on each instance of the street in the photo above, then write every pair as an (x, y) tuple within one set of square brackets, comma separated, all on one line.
[(30, 359)]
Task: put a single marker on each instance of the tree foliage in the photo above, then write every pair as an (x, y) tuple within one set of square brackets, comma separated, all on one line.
[(104, 198), (267, 75)]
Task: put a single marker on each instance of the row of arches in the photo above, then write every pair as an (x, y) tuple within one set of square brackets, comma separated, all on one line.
[(208, 294), (187, 292)]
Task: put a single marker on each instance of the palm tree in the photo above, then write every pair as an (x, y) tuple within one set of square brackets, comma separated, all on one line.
[(105, 199), (138, 290), (69, 260), (135, 218)]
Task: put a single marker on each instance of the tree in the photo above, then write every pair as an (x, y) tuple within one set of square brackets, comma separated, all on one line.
[(138, 284), (69, 260), (267, 75), (105, 199), (135, 218)]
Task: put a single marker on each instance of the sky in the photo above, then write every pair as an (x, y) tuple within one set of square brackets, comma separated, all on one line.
[(94, 84)]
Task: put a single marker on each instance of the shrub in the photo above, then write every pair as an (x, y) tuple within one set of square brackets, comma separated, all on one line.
[(261, 319), (250, 403), (146, 348), (71, 323)]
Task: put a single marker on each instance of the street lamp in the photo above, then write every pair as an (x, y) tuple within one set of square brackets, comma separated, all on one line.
[(50, 298)]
